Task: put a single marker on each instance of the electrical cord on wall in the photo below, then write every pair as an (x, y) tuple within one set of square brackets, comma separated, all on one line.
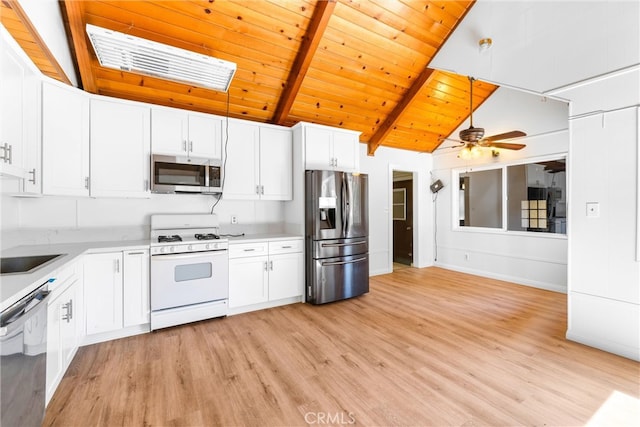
[(224, 164), (434, 199)]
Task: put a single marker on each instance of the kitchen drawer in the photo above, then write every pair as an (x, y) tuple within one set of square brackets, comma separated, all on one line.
[(285, 246), (242, 250)]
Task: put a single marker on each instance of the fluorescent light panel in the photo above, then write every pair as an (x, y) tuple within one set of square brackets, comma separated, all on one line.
[(134, 54)]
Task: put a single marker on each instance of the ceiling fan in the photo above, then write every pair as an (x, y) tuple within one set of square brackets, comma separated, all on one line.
[(474, 137)]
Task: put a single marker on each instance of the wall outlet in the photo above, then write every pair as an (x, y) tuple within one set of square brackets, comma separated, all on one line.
[(593, 209), (234, 219)]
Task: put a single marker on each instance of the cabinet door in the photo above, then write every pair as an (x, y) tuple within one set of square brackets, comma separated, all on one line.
[(241, 179), (276, 164), (205, 136), (54, 346), (11, 111), (286, 276), (136, 288), (32, 183), (120, 149), (169, 132), (318, 148), (103, 292), (65, 141), (345, 151), (248, 281), (68, 325)]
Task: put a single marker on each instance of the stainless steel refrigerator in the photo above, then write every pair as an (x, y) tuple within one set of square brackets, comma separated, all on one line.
[(336, 236)]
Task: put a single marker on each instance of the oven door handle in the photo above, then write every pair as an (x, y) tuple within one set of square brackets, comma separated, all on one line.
[(189, 255)]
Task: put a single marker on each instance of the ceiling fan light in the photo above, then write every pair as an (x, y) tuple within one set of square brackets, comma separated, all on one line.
[(484, 44), (137, 55)]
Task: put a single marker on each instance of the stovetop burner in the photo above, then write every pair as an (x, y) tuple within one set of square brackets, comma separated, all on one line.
[(208, 236), (172, 238)]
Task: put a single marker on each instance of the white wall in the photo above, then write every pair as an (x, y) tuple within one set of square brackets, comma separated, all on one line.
[(604, 250), (542, 45), (533, 259), (52, 219), (380, 169), (46, 17)]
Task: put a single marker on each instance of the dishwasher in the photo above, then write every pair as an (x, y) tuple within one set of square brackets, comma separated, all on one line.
[(23, 360)]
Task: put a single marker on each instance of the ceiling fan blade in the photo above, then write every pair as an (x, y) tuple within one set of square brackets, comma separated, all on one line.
[(502, 136), (506, 145)]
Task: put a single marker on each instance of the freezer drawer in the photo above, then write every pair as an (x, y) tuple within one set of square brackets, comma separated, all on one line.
[(333, 279), (339, 247)]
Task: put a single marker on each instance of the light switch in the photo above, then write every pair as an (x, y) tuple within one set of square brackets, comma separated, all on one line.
[(593, 209)]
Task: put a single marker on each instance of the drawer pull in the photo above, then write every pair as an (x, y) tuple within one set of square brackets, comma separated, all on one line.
[(249, 250), (287, 247)]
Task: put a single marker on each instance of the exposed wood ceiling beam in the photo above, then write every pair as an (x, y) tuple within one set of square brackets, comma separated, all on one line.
[(75, 13), (310, 42), (392, 118), (24, 19)]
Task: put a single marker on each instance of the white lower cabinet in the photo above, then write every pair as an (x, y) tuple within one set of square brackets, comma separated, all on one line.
[(265, 272), (63, 326), (116, 290)]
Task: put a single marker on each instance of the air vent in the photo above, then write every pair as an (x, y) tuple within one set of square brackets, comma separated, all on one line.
[(134, 54)]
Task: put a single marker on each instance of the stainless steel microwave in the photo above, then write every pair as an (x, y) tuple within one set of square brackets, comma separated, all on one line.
[(176, 174)]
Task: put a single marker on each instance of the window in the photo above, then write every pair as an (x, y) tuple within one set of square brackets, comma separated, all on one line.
[(399, 204), (527, 197)]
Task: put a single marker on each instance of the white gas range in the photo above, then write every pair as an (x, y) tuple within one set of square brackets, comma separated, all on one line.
[(189, 269)]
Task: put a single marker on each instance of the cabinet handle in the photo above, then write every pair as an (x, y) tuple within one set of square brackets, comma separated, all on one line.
[(32, 172), (135, 253), (249, 250), (266, 266), (287, 247), (271, 265), (7, 152), (86, 182), (117, 266), (69, 314), (257, 189), (262, 189), (184, 145), (335, 161), (191, 146)]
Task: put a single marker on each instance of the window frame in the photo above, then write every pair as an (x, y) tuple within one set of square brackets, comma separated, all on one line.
[(455, 198)]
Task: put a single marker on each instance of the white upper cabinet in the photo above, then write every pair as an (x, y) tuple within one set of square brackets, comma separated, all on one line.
[(120, 148), (65, 140), (19, 117), (276, 159), (242, 168), (328, 148), (181, 133), (259, 162)]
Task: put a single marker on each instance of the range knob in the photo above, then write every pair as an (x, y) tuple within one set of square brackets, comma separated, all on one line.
[(162, 250), (208, 246), (171, 249), (190, 247)]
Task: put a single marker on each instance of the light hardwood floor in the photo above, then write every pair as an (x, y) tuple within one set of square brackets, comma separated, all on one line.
[(424, 347)]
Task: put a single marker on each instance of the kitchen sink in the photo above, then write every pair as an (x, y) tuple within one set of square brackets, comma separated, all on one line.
[(26, 264)]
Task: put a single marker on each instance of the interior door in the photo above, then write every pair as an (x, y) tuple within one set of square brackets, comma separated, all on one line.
[(403, 222)]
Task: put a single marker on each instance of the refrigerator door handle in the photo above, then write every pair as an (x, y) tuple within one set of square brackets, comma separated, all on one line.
[(343, 205), (344, 262), (340, 245)]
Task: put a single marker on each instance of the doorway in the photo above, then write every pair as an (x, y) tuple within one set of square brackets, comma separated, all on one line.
[(402, 219)]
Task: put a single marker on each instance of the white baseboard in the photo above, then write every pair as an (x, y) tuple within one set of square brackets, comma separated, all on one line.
[(513, 279), (263, 305), (114, 335), (632, 353)]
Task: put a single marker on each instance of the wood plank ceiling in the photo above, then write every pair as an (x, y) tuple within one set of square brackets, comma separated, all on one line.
[(355, 64)]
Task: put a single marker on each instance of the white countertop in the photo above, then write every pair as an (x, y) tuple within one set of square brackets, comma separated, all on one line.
[(13, 287)]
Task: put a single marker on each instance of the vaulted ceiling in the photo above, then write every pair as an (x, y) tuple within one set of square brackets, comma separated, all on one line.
[(355, 64)]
